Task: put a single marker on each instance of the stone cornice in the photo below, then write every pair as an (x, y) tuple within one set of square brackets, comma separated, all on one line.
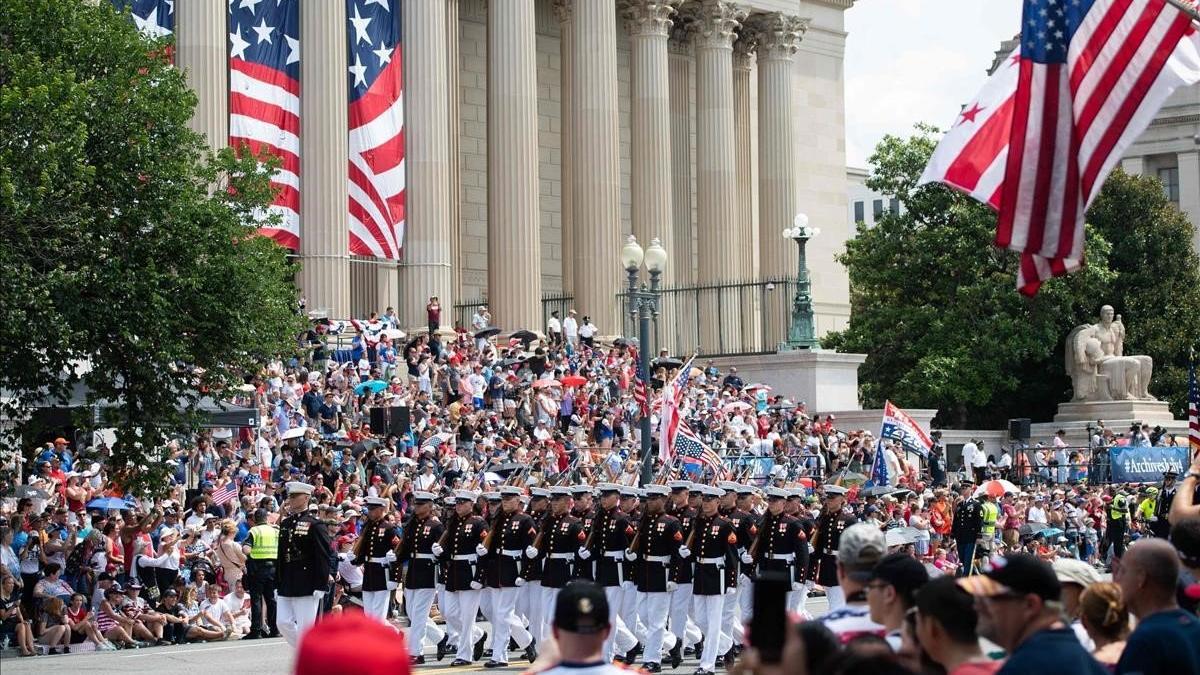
[(778, 35), (649, 17), (716, 23)]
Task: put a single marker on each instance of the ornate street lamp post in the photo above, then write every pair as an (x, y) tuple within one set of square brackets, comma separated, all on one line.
[(802, 331), (643, 306)]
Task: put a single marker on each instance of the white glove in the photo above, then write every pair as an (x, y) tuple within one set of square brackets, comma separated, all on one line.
[(810, 584), (743, 579), (684, 552), (731, 590), (671, 585), (584, 553), (318, 594), (519, 582), (436, 550), (531, 552), (796, 585), (475, 585), (390, 557), (628, 584), (747, 558), (630, 555), (480, 549)]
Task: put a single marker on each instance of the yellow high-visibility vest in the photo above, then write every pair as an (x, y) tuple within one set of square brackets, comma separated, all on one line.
[(266, 543)]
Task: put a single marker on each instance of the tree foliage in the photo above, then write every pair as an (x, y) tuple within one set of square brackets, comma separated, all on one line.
[(125, 242), (934, 305)]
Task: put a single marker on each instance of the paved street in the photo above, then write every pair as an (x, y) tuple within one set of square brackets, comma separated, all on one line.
[(262, 657)]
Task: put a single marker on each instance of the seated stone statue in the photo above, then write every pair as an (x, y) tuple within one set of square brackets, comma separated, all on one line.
[(1099, 370)]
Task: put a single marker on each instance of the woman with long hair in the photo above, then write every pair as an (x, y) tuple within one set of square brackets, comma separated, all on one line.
[(52, 625), (229, 555), (12, 622), (79, 620), (1105, 617)]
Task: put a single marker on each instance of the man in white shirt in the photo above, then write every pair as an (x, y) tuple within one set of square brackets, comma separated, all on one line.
[(587, 332), (214, 612), (570, 328), (1036, 514), (1060, 455), (554, 329)]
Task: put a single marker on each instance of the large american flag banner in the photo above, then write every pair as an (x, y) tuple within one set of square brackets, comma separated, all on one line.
[(376, 122), (1052, 121), (153, 18), (691, 450), (264, 102)]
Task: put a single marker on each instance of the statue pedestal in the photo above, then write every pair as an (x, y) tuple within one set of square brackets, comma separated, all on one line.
[(823, 380), (1150, 412)]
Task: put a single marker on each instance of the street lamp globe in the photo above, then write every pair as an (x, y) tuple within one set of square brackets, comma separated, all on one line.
[(656, 256), (631, 254)]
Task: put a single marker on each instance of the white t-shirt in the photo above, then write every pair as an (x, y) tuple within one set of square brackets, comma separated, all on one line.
[(1036, 514), (553, 325), (570, 327), (215, 611)]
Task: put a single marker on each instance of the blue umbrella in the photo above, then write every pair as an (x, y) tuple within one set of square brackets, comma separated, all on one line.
[(1050, 532), (108, 503), (375, 386)]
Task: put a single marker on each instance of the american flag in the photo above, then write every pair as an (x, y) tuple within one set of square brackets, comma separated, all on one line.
[(640, 392), (264, 102), (669, 418), (1193, 408), (226, 493), (1054, 119), (153, 18), (376, 129), (691, 450)]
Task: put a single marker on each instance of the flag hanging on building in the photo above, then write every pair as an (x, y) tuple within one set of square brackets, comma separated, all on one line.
[(1193, 408), (264, 102), (898, 426), (692, 450), (1053, 120), (377, 181), (153, 18)]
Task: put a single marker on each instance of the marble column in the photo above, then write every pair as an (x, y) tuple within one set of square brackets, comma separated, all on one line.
[(1189, 191), (566, 52), (426, 270), (324, 156), (679, 64), (648, 24), (596, 175), (778, 36), (716, 167), (514, 239), (747, 223), (202, 53), (453, 119)]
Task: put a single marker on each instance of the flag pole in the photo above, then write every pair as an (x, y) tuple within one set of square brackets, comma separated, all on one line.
[(1186, 8)]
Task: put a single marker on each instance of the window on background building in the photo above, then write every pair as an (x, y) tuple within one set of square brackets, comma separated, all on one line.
[(894, 205), (877, 209), (860, 213), (1169, 176)]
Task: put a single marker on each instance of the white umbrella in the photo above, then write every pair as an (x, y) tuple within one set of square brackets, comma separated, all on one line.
[(394, 333), (736, 406), (996, 487), (757, 385), (492, 477), (294, 432)]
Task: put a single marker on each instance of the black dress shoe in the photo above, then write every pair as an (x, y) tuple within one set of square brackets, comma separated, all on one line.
[(689, 651), (701, 671), (651, 667), (418, 660), (253, 635), (675, 654), (460, 662), (699, 649), (512, 645), (531, 653), (720, 662), (478, 653), (493, 663), (442, 647), (631, 656), (274, 634)]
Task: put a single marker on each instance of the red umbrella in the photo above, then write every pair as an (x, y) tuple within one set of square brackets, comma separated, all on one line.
[(574, 381), (996, 488)]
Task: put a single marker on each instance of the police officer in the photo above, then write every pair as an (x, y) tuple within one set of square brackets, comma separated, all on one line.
[(306, 564), (375, 551), (261, 547), (822, 564), (1160, 524), (781, 544), (989, 514), (416, 554), (501, 557), (457, 551), (1118, 525), (716, 543), (967, 526), (656, 543), (606, 544)]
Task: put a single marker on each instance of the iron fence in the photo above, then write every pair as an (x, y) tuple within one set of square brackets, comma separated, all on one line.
[(464, 311)]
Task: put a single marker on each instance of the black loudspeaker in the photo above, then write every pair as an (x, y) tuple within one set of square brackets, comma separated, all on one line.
[(400, 421), (379, 419), (1018, 429)]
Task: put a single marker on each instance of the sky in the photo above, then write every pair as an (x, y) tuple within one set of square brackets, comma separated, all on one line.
[(910, 61)]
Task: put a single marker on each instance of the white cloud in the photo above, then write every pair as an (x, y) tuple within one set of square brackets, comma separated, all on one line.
[(910, 61)]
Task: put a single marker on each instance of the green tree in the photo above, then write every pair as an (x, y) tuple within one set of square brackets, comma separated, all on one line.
[(1157, 286), (934, 305), (125, 243)]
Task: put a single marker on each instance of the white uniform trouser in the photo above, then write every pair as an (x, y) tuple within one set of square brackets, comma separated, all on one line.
[(629, 612), (375, 604), (499, 606), (534, 610), (293, 616), (418, 601), (682, 627), (652, 609), (797, 601), (731, 625), (709, 610), (619, 638), (462, 606), (549, 599), (836, 597)]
